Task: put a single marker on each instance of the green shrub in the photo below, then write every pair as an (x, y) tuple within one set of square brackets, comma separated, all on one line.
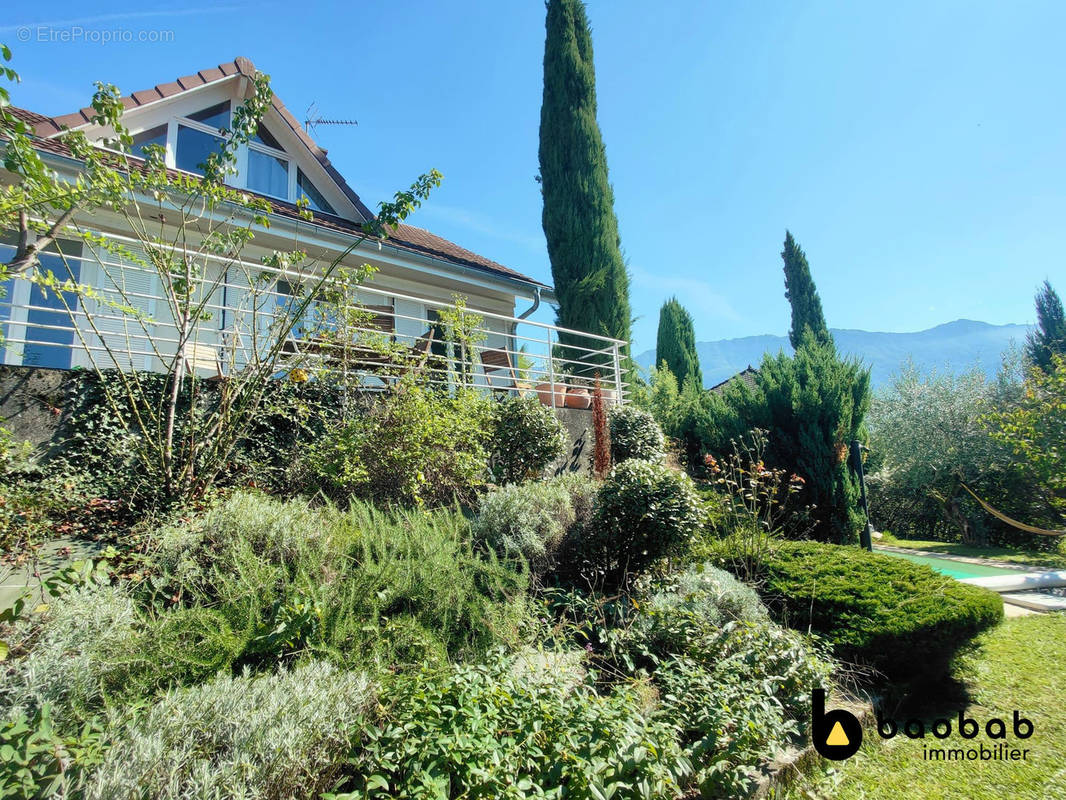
[(273, 736), (740, 702), (635, 434), (532, 520), (37, 761), (493, 730), (645, 511), (527, 437), (413, 446), (711, 593), (736, 686), (737, 710), (683, 615), (362, 586), (528, 520), (900, 618), (95, 646)]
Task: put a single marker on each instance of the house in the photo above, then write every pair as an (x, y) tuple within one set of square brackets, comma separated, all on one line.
[(418, 273)]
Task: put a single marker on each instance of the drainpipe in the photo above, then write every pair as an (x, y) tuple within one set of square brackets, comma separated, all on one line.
[(513, 337)]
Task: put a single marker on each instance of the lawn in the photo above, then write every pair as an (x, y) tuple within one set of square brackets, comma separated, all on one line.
[(1011, 555), (1018, 665)]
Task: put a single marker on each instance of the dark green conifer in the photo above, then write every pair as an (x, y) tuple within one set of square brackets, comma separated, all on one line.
[(580, 226), (1049, 337), (802, 296), (676, 343)]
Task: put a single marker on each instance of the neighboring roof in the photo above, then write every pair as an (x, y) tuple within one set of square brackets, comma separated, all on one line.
[(405, 237), (746, 376)]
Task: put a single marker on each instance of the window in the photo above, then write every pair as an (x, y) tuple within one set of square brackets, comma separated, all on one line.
[(263, 136), (49, 335), (268, 169), (193, 148), (265, 167), (215, 116), (6, 300), (304, 188), (287, 299), (149, 137), (268, 174)]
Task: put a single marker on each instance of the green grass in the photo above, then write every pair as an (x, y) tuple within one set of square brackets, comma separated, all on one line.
[(1017, 665), (1028, 558)]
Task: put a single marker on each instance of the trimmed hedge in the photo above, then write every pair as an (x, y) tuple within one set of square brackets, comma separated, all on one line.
[(903, 619)]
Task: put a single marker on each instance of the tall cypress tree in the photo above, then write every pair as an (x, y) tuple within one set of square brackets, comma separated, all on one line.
[(676, 343), (580, 226), (802, 295), (1050, 334)]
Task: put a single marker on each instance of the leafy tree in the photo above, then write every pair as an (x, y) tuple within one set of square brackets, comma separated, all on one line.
[(927, 437), (676, 342), (580, 226), (1049, 337), (659, 394), (802, 296), (1035, 430)]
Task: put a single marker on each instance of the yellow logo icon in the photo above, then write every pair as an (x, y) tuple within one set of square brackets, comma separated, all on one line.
[(837, 737)]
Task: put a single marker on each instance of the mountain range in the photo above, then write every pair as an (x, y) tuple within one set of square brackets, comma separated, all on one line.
[(954, 346)]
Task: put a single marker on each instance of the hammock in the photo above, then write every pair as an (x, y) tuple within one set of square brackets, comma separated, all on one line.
[(1012, 522)]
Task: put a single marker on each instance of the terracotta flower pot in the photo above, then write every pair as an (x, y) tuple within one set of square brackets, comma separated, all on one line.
[(544, 392), (609, 396), (577, 397)]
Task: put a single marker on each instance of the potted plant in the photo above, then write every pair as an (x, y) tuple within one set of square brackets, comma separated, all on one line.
[(545, 393), (578, 397)]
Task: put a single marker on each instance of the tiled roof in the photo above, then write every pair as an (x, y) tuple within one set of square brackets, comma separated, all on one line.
[(405, 237), (746, 376)]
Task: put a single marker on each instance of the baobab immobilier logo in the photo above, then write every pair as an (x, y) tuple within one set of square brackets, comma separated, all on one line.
[(837, 734)]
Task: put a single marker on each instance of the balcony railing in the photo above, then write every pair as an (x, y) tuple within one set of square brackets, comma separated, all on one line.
[(127, 321)]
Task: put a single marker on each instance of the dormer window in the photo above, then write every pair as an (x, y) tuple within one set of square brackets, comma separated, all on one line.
[(263, 165)]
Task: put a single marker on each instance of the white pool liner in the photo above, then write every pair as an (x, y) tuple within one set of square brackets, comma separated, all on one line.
[(1020, 582)]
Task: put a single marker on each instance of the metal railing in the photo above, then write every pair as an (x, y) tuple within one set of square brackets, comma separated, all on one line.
[(126, 320)]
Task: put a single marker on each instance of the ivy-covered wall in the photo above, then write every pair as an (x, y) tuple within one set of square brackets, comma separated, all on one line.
[(46, 406)]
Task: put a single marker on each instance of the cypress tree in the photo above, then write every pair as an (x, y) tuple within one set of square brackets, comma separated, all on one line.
[(1049, 337), (802, 296), (676, 343), (591, 284)]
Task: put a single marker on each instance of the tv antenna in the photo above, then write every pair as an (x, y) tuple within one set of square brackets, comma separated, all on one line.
[(313, 119)]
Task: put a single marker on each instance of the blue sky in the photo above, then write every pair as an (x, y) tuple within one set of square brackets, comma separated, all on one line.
[(915, 149)]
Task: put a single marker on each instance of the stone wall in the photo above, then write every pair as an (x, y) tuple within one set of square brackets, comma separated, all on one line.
[(578, 424)]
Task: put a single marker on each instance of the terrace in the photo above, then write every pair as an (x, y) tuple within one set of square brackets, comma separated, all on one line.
[(372, 334)]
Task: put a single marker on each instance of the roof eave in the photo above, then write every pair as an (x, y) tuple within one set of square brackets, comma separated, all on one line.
[(278, 221)]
